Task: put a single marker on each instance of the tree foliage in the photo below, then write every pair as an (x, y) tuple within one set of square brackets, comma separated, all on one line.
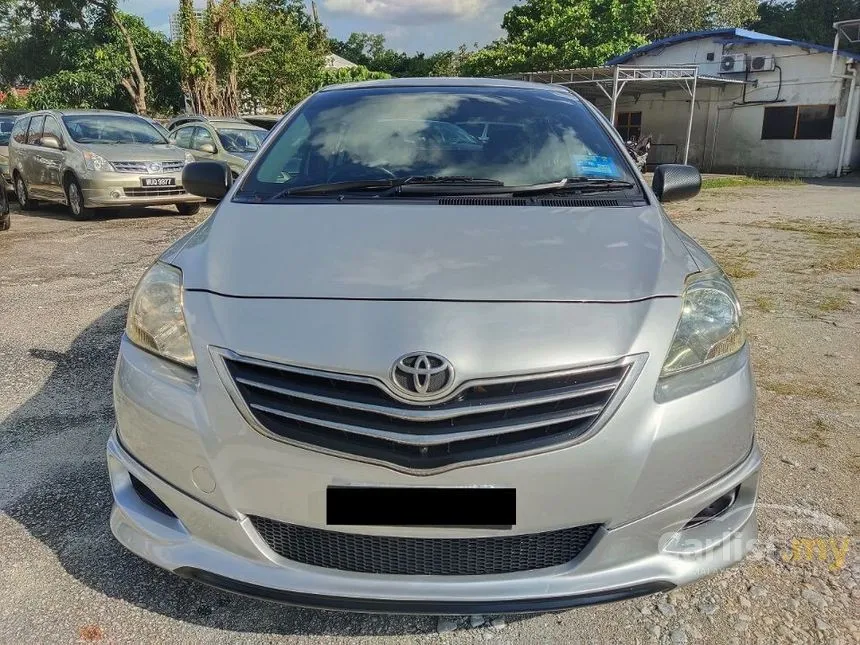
[(806, 20), (86, 54), (371, 51), (554, 34), (266, 53), (678, 16)]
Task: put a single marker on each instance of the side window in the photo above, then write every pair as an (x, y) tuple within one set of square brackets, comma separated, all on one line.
[(52, 128), (35, 131), (202, 136), (19, 131), (183, 137)]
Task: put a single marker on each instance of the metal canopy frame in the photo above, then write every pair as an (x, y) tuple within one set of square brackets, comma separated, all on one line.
[(611, 81)]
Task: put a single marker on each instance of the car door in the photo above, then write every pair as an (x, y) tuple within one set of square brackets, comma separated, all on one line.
[(51, 160), (34, 170)]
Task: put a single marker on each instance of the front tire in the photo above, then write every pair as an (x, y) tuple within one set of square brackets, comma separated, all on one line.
[(75, 199), (24, 200), (187, 210)]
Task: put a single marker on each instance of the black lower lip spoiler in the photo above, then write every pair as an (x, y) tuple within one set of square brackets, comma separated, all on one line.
[(427, 607)]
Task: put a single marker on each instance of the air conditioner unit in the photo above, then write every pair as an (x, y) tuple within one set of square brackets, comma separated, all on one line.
[(733, 63), (762, 63)]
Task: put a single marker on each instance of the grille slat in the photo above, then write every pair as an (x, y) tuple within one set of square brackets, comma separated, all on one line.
[(154, 191), (485, 418), (390, 555), (435, 439), (142, 167)]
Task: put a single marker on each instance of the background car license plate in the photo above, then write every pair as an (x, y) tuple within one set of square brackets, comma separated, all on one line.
[(442, 507), (158, 181)]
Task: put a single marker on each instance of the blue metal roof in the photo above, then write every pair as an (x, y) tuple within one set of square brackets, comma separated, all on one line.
[(730, 35)]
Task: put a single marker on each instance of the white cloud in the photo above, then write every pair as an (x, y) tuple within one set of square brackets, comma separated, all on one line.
[(409, 11)]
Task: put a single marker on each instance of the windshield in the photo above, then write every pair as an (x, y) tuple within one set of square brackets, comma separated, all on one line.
[(112, 128), (517, 136), (241, 139), (6, 124)]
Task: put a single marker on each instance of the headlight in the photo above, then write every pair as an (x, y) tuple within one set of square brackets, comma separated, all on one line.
[(189, 158), (155, 319), (97, 162), (710, 327)]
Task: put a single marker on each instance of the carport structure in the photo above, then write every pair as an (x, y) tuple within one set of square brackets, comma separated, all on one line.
[(596, 83)]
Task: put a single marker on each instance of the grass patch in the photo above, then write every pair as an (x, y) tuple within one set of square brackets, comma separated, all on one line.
[(734, 263), (736, 181), (834, 303), (764, 303), (846, 259), (808, 227), (805, 390), (817, 436)]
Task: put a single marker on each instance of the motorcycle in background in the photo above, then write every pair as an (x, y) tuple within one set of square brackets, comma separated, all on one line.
[(638, 149)]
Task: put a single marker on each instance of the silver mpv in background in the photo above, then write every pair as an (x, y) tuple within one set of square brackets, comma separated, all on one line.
[(403, 372)]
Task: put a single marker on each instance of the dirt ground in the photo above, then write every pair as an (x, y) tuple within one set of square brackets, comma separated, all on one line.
[(794, 254)]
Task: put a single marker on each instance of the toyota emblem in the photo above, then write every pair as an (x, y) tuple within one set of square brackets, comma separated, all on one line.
[(421, 375)]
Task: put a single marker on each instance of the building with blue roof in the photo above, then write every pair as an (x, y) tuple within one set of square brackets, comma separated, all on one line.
[(732, 100)]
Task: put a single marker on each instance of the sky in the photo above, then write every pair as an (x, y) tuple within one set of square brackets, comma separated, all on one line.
[(408, 25)]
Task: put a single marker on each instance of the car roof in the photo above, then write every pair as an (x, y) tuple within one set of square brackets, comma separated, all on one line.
[(92, 112), (449, 82)]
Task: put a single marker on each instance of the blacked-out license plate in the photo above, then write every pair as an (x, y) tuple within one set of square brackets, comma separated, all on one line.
[(158, 181), (441, 507)]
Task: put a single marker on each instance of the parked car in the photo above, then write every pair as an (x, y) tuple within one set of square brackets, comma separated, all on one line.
[(265, 121), (183, 119), (395, 375), (229, 140), (92, 159), (5, 217), (7, 120)]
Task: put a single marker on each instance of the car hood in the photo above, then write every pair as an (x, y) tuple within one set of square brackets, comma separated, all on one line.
[(420, 252), (136, 152)]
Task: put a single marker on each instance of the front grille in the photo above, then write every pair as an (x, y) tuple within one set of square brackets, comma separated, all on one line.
[(388, 555), (154, 191), (484, 419), (142, 167)]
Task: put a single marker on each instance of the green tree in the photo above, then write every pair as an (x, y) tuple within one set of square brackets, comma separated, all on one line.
[(678, 16), (282, 55), (554, 34), (349, 75), (806, 20), (90, 38)]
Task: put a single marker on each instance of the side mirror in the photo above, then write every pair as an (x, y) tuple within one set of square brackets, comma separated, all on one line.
[(50, 141), (207, 148), (674, 182), (209, 179)]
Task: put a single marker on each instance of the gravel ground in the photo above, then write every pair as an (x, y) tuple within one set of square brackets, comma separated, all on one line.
[(794, 252)]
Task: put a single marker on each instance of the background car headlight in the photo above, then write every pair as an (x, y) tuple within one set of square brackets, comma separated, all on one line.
[(97, 162), (710, 327), (155, 319), (189, 158)]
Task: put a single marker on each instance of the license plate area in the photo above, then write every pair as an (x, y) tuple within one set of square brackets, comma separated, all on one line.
[(157, 182), (429, 507)]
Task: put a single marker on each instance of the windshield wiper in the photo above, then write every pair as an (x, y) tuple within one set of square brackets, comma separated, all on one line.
[(582, 184), (392, 185)]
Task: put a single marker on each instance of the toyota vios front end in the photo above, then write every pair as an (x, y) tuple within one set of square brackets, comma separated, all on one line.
[(402, 369)]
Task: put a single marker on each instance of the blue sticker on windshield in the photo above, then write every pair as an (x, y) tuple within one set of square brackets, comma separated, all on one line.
[(595, 166)]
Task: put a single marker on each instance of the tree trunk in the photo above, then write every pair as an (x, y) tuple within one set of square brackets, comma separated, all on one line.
[(136, 85)]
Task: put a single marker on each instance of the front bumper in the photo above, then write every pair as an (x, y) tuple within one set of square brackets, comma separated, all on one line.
[(642, 557), (121, 189)]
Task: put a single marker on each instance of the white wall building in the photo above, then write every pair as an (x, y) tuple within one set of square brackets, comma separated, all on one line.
[(176, 24), (764, 105)]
